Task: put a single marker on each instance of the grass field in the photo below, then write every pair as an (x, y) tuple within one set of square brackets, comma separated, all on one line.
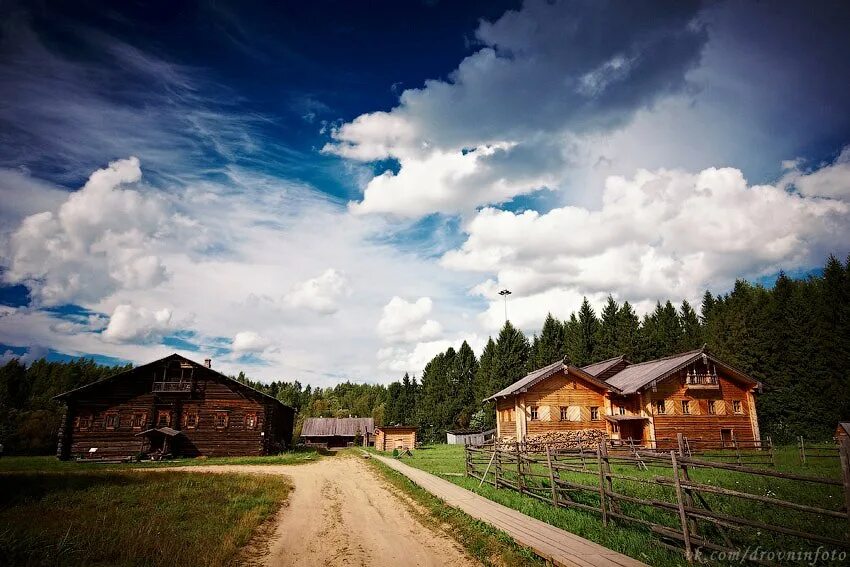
[(130, 517), (50, 463), (636, 541)]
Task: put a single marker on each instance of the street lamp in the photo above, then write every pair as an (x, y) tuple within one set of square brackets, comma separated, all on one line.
[(505, 293)]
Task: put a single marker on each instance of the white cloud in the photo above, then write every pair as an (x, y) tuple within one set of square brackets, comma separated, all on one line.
[(100, 239), (249, 341), (403, 321), (662, 234), (413, 358), (832, 180), (499, 126), (321, 293), (130, 324)]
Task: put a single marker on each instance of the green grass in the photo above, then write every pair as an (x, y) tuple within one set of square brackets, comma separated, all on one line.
[(488, 545), (131, 517), (638, 542), (45, 463)]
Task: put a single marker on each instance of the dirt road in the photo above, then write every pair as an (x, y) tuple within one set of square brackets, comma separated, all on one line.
[(342, 513)]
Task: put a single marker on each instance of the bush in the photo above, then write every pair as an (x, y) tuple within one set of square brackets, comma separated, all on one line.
[(395, 452)]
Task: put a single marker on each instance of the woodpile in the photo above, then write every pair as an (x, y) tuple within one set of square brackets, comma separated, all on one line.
[(579, 439)]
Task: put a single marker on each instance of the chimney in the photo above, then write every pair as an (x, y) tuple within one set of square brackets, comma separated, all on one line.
[(208, 363)]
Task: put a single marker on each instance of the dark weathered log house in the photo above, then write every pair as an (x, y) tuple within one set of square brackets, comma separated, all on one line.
[(172, 406)]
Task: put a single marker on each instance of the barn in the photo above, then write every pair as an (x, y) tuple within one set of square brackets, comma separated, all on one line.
[(392, 437), (651, 402), (338, 432), (172, 406)]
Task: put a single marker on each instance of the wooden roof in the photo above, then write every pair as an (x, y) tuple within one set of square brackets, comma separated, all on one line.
[(337, 427), (629, 379), (533, 378), (183, 361)]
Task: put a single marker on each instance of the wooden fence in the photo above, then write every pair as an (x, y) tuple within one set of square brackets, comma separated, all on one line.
[(808, 451), (691, 504)]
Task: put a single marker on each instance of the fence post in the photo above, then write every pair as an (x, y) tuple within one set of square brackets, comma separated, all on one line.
[(466, 460), (551, 477), (497, 472), (609, 481), (683, 516), (770, 448), (802, 450), (602, 504), (844, 451), (680, 440), (519, 482)]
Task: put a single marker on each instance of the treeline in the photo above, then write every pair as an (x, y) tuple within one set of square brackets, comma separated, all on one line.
[(794, 337)]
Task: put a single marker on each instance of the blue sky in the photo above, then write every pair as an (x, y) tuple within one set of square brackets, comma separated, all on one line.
[(333, 189)]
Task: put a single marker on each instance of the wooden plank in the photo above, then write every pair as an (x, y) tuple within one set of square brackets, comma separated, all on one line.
[(553, 544)]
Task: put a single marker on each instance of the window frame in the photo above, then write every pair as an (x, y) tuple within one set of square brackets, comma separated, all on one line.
[(660, 407), (711, 407), (534, 413), (594, 413), (221, 414), (160, 413), (565, 413), (251, 420), (686, 407), (737, 407), (85, 421), (106, 418), (194, 423), (142, 419)]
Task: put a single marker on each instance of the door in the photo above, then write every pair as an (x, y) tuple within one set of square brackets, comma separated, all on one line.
[(726, 436), (632, 430)]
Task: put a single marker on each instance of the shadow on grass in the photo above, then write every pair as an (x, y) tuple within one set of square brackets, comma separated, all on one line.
[(21, 488)]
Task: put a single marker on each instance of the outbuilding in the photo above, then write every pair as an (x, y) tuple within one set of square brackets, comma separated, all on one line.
[(388, 437), (469, 436)]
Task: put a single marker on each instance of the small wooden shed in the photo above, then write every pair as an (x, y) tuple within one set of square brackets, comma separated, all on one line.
[(388, 437), (469, 436)]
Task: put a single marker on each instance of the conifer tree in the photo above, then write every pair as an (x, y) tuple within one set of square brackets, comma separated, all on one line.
[(512, 354), (588, 329), (549, 347), (628, 333), (691, 330), (485, 380), (609, 329)]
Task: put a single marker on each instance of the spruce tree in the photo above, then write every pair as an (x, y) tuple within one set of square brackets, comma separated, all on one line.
[(628, 332), (549, 347), (512, 354), (463, 372), (609, 329), (691, 330), (485, 379), (588, 329)]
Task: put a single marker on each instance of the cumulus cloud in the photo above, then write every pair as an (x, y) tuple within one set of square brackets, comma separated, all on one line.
[(832, 180), (99, 240), (130, 324), (320, 294), (403, 321), (477, 137), (658, 234), (248, 342)]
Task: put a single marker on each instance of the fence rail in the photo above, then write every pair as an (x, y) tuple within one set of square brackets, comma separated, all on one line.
[(689, 501)]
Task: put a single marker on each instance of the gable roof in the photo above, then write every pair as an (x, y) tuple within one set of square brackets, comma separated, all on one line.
[(175, 356), (523, 384), (337, 427), (636, 376), (601, 367)]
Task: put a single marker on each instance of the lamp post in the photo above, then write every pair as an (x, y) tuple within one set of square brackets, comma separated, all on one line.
[(505, 293)]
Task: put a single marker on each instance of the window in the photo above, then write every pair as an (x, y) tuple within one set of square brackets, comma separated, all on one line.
[(163, 418), (686, 407), (85, 421), (534, 416), (190, 419), (621, 410), (250, 420), (736, 406), (565, 415), (110, 421), (594, 413), (139, 419), (221, 419), (711, 408), (660, 408)]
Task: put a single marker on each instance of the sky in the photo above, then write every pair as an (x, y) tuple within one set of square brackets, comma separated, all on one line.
[(334, 191)]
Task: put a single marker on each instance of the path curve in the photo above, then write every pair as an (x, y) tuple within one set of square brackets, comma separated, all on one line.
[(342, 513)]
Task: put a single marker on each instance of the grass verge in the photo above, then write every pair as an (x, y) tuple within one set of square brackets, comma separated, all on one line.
[(488, 545), (131, 518), (48, 464)]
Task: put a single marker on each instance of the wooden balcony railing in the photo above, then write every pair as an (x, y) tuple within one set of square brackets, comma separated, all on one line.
[(702, 381), (165, 387)]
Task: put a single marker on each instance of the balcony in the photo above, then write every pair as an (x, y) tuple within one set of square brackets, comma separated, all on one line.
[(701, 381), (183, 387)]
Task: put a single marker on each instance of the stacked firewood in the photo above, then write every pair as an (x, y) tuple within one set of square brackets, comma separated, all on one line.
[(579, 439)]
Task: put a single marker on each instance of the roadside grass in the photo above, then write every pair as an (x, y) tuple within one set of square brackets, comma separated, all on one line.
[(51, 463), (488, 545), (131, 518), (638, 542)]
